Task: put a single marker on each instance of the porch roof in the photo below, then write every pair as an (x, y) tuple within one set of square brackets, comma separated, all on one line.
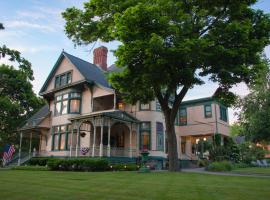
[(35, 120), (114, 114)]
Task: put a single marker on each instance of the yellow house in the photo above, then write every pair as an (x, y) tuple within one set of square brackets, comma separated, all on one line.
[(86, 117)]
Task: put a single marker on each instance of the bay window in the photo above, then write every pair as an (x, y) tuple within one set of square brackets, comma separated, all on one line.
[(67, 103), (61, 137)]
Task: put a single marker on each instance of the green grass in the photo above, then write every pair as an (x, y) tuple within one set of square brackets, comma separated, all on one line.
[(253, 170), (19, 184)]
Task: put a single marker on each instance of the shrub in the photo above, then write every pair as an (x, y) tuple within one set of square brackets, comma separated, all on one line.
[(78, 164), (222, 166), (124, 167), (203, 163), (38, 161), (241, 165), (31, 168)]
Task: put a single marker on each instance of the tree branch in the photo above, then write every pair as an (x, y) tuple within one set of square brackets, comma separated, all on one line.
[(178, 101), (214, 22)]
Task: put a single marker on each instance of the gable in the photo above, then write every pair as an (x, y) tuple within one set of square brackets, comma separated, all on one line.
[(64, 66), (82, 71)]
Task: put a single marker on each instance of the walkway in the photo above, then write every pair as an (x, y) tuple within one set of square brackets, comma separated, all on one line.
[(202, 171)]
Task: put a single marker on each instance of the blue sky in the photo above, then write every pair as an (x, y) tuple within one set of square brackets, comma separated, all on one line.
[(36, 29)]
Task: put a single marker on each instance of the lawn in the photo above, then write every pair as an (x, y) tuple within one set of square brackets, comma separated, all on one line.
[(254, 170), (19, 184)]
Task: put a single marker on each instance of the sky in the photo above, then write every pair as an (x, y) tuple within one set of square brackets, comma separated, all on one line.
[(36, 29)]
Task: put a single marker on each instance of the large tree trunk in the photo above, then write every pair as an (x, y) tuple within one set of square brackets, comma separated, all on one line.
[(172, 145)]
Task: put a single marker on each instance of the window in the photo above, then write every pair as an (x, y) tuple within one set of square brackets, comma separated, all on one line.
[(223, 113), (160, 136), (183, 116), (68, 103), (60, 136), (62, 79), (144, 106), (145, 131), (207, 111), (158, 107)]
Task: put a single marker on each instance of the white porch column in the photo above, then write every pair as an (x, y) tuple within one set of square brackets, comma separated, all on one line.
[(101, 140), (130, 141), (109, 139), (30, 145), (77, 143), (20, 150), (94, 139)]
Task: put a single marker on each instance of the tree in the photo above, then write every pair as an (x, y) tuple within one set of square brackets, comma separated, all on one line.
[(236, 129), (168, 46), (255, 108), (17, 99)]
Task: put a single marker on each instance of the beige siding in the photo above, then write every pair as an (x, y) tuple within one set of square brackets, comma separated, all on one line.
[(86, 101), (98, 91), (65, 66)]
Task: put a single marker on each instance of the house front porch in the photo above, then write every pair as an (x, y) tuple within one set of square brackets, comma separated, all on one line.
[(104, 134)]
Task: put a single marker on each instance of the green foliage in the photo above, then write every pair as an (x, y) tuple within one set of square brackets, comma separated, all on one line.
[(222, 166), (17, 99), (17, 102), (203, 163), (250, 152), (169, 46), (255, 107), (236, 129), (30, 168), (78, 164), (229, 151), (124, 167), (38, 161)]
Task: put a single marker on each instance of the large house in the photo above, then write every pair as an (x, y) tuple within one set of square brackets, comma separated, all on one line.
[(85, 116)]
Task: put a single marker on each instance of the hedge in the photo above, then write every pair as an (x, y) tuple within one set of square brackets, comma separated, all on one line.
[(78, 164), (222, 166), (30, 168), (38, 161), (124, 167)]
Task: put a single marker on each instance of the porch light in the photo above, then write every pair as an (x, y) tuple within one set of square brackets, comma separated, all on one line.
[(204, 139), (197, 141), (121, 105)]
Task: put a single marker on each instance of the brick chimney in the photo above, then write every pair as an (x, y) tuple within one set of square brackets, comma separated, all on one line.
[(100, 57)]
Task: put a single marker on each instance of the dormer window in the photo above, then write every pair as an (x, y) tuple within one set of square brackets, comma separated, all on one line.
[(62, 79)]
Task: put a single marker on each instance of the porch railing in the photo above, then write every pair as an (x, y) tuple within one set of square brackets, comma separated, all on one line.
[(106, 152)]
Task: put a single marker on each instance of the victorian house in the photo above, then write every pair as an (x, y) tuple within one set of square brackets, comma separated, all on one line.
[(85, 116)]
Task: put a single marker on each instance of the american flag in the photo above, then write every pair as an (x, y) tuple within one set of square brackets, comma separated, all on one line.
[(8, 153)]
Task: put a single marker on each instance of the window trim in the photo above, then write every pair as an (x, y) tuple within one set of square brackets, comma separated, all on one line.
[(59, 78), (141, 109), (222, 111), (160, 133), (149, 130), (69, 98), (205, 116), (182, 124), (58, 134)]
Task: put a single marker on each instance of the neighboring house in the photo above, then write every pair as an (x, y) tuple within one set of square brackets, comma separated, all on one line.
[(85, 116)]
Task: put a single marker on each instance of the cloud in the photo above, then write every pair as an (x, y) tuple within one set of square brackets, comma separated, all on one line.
[(34, 49), (27, 24), (31, 15)]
